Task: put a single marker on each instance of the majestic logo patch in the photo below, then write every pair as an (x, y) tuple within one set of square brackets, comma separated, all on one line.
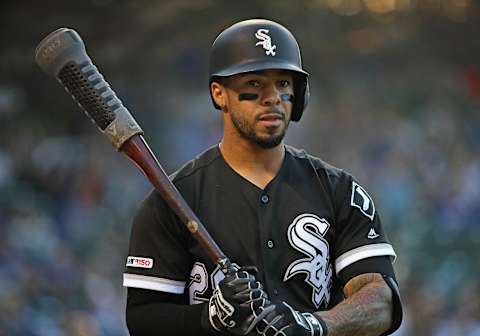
[(265, 41), (372, 234), (305, 234), (363, 201), (139, 262)]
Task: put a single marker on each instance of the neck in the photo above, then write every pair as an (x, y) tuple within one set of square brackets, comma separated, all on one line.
[(256, 164)]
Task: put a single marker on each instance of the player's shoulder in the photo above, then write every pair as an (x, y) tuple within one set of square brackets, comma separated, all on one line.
[(337, 180), (181, 177), (321, 166), (204, 161)]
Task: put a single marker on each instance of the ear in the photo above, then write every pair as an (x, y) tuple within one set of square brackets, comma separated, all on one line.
[(219, 94)]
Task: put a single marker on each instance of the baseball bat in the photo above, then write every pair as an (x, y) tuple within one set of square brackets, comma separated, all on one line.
[(62, 54)]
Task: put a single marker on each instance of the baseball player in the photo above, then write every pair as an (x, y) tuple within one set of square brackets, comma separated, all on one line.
[(310, 253)]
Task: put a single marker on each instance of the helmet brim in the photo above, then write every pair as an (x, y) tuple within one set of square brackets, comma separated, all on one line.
[(256, 65)]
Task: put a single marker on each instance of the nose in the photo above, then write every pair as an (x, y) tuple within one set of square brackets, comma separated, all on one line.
[(271, 96)]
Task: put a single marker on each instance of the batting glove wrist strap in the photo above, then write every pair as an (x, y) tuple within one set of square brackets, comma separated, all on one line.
[(317, 325), (283, 320), (220, 311)]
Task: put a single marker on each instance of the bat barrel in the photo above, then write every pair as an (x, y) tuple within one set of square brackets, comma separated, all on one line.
[(58, 48)]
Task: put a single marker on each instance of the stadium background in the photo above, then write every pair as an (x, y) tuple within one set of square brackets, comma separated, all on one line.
[(395, 101)]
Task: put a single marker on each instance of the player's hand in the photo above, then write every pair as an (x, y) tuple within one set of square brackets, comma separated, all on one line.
[(283, 320), (237, 304)]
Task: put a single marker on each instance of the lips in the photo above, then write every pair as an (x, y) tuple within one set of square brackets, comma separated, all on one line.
[(271, 117), (271, 120)]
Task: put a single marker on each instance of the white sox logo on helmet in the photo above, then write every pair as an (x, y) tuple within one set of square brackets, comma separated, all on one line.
[(265, 41), (305, 234)]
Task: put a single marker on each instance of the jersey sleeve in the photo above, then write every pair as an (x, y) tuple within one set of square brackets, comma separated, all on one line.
[(158, 256), (360, 236)]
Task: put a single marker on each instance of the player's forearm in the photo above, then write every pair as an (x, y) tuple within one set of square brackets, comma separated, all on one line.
[(366, 312), (157, 318)]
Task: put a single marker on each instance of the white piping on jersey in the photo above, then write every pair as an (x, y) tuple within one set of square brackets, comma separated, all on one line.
[(149, 282), (362, 252)]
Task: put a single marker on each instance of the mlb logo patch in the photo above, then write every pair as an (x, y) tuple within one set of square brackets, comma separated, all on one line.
[(139, 262), (362, 200)]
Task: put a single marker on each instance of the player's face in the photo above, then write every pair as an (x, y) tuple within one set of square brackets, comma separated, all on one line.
[(259, 105)]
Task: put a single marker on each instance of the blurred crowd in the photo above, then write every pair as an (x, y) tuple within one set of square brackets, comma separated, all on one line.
[(406, 126)]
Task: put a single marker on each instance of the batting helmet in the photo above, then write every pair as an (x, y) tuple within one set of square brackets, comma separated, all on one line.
[(258, 44)]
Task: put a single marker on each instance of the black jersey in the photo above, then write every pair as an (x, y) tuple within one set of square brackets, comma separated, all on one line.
[(305, 232)]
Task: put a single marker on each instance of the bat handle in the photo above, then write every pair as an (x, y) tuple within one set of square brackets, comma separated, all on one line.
[(140, 153), (226, 266)]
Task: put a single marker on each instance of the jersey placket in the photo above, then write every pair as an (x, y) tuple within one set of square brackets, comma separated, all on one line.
[(269, 233), (267, 243)]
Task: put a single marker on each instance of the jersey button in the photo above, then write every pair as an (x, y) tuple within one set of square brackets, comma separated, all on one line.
[(270, 244), (275, 291), (265, 199)]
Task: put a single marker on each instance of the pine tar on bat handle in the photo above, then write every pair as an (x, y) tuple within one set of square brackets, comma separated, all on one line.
[(62, 55)]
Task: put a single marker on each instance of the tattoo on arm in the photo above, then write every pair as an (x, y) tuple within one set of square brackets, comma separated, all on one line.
[(366, 311), (355, 284)]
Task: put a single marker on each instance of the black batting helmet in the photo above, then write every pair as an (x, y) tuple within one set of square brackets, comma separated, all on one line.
[(259, 44)]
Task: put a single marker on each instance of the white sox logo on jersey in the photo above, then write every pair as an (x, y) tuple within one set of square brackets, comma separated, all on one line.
[(265, 41), (305, 234)]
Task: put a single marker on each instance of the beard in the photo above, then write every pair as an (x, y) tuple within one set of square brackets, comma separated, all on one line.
[(247, 131)]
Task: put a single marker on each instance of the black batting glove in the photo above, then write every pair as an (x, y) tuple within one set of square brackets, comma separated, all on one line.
[(283, 320), (237, 304)]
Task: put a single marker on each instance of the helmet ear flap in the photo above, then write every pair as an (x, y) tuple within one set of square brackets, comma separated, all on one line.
[(301, 96)]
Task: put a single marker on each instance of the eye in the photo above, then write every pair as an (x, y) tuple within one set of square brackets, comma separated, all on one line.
[(253, 83), (284, 83)]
